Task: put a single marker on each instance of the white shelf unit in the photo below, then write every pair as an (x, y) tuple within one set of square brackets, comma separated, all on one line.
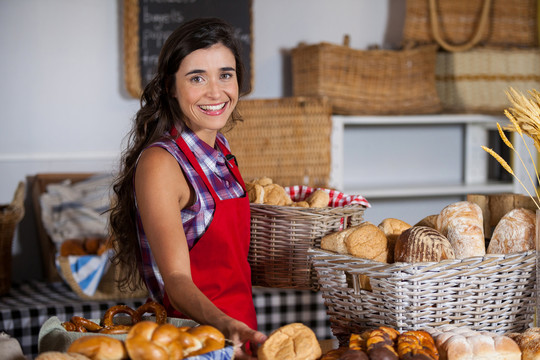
[(474, 160)]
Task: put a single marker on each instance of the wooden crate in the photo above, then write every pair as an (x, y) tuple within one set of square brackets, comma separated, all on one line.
[(495, 206)]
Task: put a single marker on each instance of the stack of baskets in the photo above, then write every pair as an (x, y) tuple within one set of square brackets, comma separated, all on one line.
[(10, 215)]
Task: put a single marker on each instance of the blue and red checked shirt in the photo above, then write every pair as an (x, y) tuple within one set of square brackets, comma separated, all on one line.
[(197, 217)]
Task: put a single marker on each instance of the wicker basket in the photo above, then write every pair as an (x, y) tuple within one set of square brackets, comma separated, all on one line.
[(491, 293), (457, 23), (286, 139), (282, 235), (375, 82), (107, 288), (475, 81), (10, 216)]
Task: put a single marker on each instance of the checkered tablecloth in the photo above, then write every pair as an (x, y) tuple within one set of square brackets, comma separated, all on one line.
[(27, 306)]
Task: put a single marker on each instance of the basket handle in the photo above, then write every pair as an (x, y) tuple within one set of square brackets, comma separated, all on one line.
[(465, 46)]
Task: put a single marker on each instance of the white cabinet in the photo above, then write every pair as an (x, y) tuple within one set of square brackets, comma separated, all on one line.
[(420, 158)]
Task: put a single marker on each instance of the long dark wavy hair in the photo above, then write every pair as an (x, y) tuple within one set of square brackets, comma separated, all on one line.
[(159, 112)]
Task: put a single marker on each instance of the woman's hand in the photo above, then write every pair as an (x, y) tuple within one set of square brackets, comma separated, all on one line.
[(246, 340)]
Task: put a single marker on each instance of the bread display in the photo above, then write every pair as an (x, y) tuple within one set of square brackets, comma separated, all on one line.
[(293, 342), (265, 191), (515, 232), (392, 228), (460, 343), (463, 225), (421, 244)]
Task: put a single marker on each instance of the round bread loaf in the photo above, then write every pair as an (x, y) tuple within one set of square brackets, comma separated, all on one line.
[(293, 342), (336, 241), (463, 225), (392, 228), (99, 347), (422, 244), (367, 241), (528, 342), (515, 232)]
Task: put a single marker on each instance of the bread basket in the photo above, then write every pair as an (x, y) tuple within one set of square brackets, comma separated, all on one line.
[(490, 293), (282, 235)]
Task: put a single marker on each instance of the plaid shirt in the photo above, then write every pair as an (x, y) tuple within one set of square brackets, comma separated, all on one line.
[(196, 218)]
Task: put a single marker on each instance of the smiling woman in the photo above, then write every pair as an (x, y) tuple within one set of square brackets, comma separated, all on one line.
[(181, 216)]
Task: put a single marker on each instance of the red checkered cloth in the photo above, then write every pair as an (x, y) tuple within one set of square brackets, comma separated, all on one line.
[(300, 192)]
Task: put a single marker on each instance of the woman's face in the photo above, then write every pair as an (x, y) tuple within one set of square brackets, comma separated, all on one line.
[(207, 89)]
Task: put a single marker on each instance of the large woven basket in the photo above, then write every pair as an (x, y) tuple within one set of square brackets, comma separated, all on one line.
[(10, 215), (367, 82), (286, 139), (491, 293), (475, 81), (282, 235)]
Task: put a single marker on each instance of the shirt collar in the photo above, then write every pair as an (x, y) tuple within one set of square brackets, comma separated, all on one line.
[(211, 157)]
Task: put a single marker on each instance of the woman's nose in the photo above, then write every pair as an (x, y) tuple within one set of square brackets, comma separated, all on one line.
[(213, 89)]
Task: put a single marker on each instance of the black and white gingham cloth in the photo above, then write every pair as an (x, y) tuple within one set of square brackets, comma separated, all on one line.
[(27, 306)]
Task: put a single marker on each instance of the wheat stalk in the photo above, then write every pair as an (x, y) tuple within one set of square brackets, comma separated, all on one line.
[(524, 116), (508, 168)]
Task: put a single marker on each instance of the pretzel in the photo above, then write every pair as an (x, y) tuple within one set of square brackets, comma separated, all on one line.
[(87, 324), (153, 308), (69, 326), (380, 344), (119, 309), (416, 342)]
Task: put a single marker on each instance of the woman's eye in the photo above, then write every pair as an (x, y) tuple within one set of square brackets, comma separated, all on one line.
[(226, 76), (197, 79)]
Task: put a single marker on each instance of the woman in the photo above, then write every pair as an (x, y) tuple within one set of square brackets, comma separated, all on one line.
[(182, 215)]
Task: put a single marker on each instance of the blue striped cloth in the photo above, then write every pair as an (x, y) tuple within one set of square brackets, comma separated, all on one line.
[(87, 270)]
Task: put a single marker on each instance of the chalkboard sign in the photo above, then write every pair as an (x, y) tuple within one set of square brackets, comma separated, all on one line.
[(148, 23)]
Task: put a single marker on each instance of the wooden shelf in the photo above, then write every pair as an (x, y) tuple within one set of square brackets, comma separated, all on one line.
[(429, 190), (475, 133)]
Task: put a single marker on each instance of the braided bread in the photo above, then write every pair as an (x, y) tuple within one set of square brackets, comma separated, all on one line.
[(417, 342)]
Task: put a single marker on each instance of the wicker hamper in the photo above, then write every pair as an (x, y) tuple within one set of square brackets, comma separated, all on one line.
[(475, 81), (367, 82), (286, 139), (10, 215), (491, 293), (282, 235)]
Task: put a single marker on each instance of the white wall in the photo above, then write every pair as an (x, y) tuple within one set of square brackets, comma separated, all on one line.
[(63, 103)]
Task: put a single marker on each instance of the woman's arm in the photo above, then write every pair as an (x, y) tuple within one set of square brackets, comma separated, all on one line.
[(162, 191)]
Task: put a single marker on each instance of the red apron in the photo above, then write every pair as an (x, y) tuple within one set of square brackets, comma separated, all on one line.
[(219, 265)]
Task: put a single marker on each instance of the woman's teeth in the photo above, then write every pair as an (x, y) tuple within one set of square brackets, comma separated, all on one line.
[(212, 107)]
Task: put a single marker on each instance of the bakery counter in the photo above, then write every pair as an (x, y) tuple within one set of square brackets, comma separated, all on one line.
[(27, 306)]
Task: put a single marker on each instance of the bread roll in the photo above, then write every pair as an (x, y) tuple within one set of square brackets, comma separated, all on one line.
[(463, 344), (57, 355), (275, 194), (463, 225), (293, 342), (318, 199), (515, 232), (392, 228), (421, 244), (367, 241), (336, 241), (99, 347), (429, 221), (528, 342)]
